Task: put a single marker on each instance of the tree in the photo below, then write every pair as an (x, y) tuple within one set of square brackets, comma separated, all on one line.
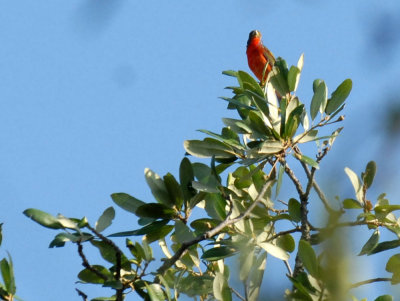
[(239, 213)]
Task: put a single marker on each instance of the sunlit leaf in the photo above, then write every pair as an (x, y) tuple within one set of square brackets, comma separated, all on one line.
[(352, 204), (371, 243), (293, 78), (274, 250), (43, 218), (221, 288), (355, 181), (105, 219), (319, 99), (339, 96), (157, 187)]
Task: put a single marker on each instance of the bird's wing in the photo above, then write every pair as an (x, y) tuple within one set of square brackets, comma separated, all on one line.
[(269, 56)]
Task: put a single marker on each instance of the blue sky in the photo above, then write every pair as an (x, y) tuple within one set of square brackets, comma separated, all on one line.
[(92, 92)]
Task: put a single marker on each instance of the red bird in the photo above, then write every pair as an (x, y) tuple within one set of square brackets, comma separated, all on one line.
[(258, 56)]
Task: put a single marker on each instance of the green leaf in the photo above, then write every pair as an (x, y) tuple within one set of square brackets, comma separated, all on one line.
[(371, 243), (256, 277), (230, 73), (196, 285), (280, 178), (384, 298), (307, 255), (89, 276), (174, 190), (186, 176), (157, 187), (294, 210), (108, 253), (221, 288), (274, 250), (43, 218), (393, 266), (306, 137), (293, 78), (293, 121), (148, 229), (386, 209), (352, 204), (218, 253), (278, 77), (258, 126), (105, 219), (286, 242), (249, 83), (308, 161), (155, 210), (182, 232), (319, 99), (386, 245), (355, 181), (204, 224), (208, 147), (7, 272), (369, 174), (61, 238), (339, 96), (246, 260), (204, 187), (126, 202), (236, 125), (157, 235), (155, 292), (269, 147)]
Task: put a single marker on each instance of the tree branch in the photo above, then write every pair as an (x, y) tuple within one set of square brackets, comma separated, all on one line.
[(86, 264), (82, 294), (357, 284), (185, 245), (118, 257)]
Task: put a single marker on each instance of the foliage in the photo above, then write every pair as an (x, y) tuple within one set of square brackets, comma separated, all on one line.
[(237, 195)]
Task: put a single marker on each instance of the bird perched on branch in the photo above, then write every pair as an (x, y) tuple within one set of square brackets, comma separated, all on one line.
[(258, 56)]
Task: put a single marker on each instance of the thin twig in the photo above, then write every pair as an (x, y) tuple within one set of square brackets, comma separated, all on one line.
[(86, 264), (297, 229), (185, 245), (82, 294), (118, 257), (288, 267), (357, 284), (237, 294)]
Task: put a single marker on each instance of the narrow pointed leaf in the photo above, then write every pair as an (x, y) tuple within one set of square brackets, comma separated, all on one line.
[(319, 99), (308, 257), (293, 78), (371, 243)]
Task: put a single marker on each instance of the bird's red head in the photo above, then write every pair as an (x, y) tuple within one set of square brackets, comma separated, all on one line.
[(254, 37)]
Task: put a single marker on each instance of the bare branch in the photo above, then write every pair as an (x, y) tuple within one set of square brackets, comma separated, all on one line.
[(237, 294), (86, 264)]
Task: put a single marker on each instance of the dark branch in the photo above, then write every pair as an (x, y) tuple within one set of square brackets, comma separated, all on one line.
[(82, 294), (118, 257), (86, 264)]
